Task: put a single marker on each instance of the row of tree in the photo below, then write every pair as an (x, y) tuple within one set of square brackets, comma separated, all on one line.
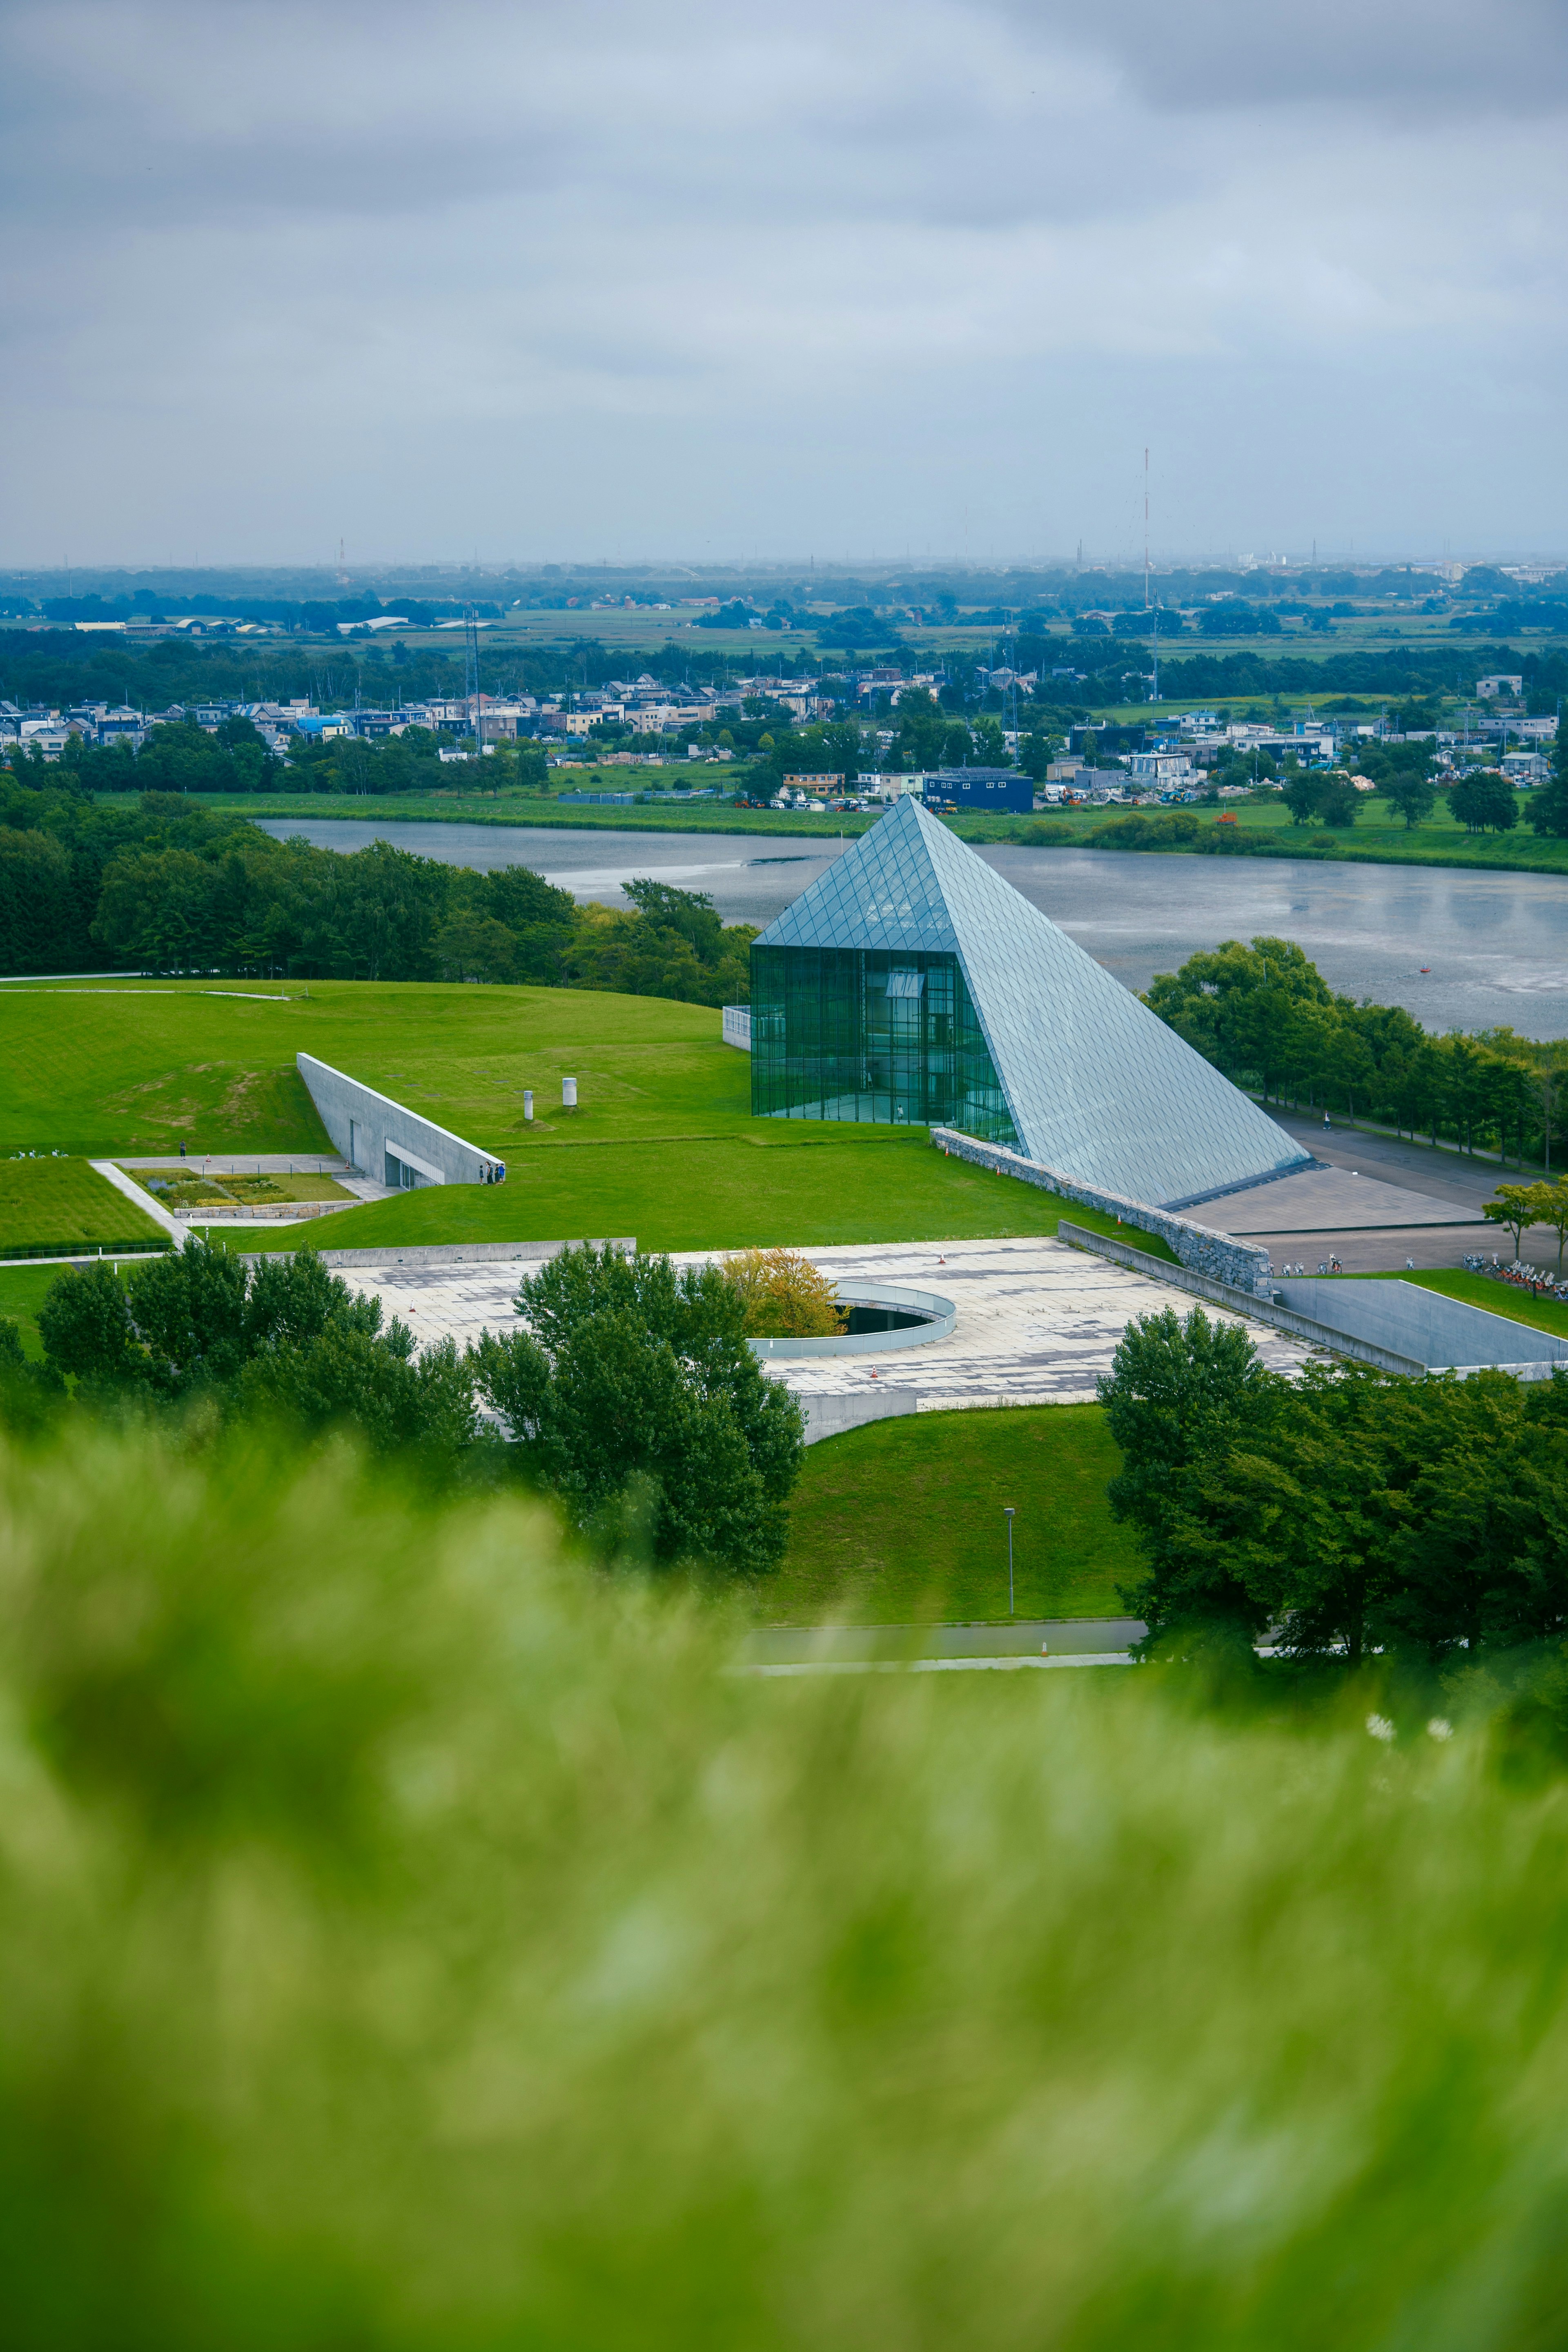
[(1339, 1511), (1265, 1015), (88, 884), (630, 1393)]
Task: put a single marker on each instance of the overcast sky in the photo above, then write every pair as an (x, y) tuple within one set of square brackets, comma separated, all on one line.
[(721, 281)]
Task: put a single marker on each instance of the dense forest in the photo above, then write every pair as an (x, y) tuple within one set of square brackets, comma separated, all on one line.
[(1264, 1014), (1342, 1509), (156, 884)]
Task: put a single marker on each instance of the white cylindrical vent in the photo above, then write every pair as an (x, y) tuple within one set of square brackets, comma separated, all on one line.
[(568, 1094), (528, 1102)]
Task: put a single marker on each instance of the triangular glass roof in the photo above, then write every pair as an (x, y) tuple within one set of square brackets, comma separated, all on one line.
[(1098, 1086)]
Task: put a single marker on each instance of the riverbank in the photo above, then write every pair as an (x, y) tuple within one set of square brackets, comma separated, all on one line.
[(1380, 839)]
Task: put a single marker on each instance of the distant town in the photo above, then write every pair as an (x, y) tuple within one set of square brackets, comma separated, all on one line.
[(1159, 760)]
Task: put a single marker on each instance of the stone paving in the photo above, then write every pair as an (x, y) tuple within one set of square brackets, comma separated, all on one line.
[(1037, 1322)]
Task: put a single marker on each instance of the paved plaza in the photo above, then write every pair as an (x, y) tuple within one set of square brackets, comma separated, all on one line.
[(1037, 1322)]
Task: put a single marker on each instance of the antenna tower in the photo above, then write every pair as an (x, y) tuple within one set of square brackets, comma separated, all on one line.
[(1145, 531), (471, 670)]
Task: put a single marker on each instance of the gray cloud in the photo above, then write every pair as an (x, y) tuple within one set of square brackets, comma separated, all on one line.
[(557, 281), (1396, 57)]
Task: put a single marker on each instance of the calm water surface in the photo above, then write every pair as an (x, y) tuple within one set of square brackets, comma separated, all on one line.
[(1497, 944)]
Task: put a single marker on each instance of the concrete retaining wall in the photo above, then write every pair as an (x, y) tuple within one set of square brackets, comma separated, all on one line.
[(1445, 1333), (738, 1026), (1243, 1302), (450, 1252), (1217, 1255), (829, 1416), (385, 1140)]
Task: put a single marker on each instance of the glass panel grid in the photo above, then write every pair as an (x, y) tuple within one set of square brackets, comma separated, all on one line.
[(1017, 1035)]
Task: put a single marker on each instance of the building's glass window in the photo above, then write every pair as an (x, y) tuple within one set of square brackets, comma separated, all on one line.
[(871, 1035)]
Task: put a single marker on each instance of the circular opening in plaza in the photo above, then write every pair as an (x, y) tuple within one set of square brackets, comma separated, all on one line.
[(877, 1315)]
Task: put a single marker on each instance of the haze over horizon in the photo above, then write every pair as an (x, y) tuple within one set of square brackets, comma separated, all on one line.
[(918, 283)]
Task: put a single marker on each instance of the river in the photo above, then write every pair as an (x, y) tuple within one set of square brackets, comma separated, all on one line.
[(1460, 950)]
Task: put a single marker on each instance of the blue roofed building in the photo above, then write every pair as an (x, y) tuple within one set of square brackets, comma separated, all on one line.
[(911, 985)]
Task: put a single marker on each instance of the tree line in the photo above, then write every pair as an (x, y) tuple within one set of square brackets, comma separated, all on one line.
[(1265, 1015), (629, 1395), (58, 667), (1341, 1511), (90, 884)]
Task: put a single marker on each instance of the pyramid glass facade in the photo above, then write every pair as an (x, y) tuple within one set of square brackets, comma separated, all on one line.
[(911, 985), (867, 1033)]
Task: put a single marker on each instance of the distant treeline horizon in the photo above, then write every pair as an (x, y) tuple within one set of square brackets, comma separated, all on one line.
[(58, 667)]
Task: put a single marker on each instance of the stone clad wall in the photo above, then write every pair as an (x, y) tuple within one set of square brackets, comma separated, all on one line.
[(1242, 1265)]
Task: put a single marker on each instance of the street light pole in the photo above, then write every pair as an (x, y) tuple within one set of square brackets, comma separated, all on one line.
[(1007, 1511)]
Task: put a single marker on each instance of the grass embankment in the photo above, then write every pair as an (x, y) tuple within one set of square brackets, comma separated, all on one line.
[(1379, 837), (429, 1944), (901, 1522), (662, 1146), (63, 1204), (515, 808)]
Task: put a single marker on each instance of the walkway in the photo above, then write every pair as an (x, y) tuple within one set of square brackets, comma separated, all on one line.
[(1037, 1322)]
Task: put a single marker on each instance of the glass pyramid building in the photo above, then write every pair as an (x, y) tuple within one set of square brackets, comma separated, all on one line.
[(912, 983)]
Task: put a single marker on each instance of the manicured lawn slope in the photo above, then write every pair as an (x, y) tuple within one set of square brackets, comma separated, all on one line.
[(66, 1201), (663, 1144), (721, 1196), (902, 1522), (134, 1070)]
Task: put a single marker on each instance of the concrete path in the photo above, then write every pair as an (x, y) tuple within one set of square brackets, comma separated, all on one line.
[(143, 1200), (1009, 1637), (242, 1163), (938, 1665)]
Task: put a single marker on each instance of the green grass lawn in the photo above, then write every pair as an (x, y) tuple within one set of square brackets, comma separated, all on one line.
[(67, 1202), (662, 1146), (1479, 1290), (130, 1069), (901, 1522), (727, 1194), (23, 1289)]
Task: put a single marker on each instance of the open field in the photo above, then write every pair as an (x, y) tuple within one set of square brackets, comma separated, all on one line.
[(901, 1522), (66, 1202), (663, 1144)]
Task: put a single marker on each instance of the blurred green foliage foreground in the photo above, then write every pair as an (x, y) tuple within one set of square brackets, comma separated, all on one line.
[(411, 1940)]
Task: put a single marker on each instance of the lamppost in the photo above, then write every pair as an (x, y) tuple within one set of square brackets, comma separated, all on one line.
[(1007, 1510)]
